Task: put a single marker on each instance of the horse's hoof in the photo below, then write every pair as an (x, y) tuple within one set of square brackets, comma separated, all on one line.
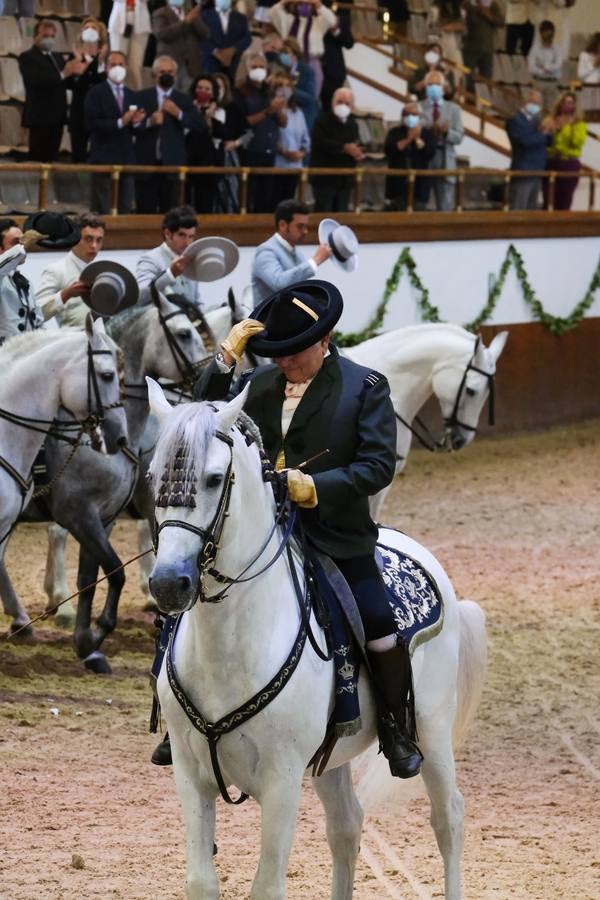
[(22, 630), (87, 642), (65, 618), (97, 663)]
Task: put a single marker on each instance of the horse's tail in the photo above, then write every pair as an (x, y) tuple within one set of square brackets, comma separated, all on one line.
[(472, 663)]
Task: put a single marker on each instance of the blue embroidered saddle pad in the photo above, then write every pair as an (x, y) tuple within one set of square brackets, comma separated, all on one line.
[(413, 595)]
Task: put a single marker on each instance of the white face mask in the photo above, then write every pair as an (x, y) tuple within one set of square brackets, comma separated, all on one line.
[(90, 36), (258, 74), (342, 111), (432, 58), (47, 42), (117, 74)]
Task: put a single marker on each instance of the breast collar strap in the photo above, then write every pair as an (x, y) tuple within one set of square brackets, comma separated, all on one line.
[(453, 419)]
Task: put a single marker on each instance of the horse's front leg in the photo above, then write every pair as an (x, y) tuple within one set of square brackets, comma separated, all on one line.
[(344, 825), (198, 806), (55, 578), (10, 601), (279, 804)]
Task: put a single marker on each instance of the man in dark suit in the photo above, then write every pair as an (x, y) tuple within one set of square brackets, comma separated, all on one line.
[(111, 114), (228, 37), (312, 400), (529, 139), (332, 62), (178, 34), (160, 139), (46, 76)]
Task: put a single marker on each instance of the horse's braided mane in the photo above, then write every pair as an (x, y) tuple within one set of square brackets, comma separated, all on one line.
[(248, 427), (31, 341)]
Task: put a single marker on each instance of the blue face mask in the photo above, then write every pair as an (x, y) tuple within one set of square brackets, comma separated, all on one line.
[(285, 59), (534, 109), (223, 5), (434, 92), (411, 120), (176, 3)]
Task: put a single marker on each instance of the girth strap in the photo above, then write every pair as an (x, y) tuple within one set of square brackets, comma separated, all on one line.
[(23, 483)]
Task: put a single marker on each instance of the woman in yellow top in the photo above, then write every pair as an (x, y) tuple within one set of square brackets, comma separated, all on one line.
[(563, 154)]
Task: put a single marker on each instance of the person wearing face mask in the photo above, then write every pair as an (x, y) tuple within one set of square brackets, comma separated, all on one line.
[(47, 76), (308, 21), (529, 139), (112, 113), (484, 18), (432, 62), (303, 76), (91, 48), (444, 118), (160, 138), (265, 114), (179, 34), (568, 139), (335, 144), (19, 311), (128, 29), (228, 37), (203, 149), (294, 141), (408, 146)]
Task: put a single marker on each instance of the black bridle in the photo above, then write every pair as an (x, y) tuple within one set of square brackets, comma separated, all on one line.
[(452, 421)]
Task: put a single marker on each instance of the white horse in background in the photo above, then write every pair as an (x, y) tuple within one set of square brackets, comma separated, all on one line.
[(438, 359), (225, 653), (42, 371)]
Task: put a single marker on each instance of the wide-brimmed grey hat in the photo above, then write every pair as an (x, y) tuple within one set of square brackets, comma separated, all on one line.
[(343, 243), (214, 258), (114, 287)]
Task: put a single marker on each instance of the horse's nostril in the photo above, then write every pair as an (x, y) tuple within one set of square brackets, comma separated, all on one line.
[(122, 441), (184, 583)]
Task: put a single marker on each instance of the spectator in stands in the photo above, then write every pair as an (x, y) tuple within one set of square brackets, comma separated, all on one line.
[(432, 62), (265, 115), (231, 129), (111, 115), (520, 27), (304, 78), (166, 264), (19, 311), (46, 76), (92, 48), (228, 37), (333, 64), (294, 141), (277, 263), (335, 144), (60, 291), (444, 118), (308, 21), (588, 66), (202, 149), (559, 13), (483, 18), (160, 139), (179, 34), (446, 17), (545, 64), (568, 139), (529, 138), (129, 29), (399, 14), (268, 46), (408, 146)]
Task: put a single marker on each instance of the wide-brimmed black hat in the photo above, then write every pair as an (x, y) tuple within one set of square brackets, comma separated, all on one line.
[(296, 318), (59, 230)]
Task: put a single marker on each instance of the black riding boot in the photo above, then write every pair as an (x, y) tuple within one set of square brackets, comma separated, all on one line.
[(395, 710), (162, 753)]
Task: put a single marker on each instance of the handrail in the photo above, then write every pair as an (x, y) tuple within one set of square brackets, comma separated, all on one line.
[(460, 177)]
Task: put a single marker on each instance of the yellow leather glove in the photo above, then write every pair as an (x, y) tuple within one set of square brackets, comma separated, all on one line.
[(301, 489), (240, 334)]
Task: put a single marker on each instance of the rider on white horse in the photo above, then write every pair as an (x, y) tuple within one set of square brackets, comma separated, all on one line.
[(319, 411)]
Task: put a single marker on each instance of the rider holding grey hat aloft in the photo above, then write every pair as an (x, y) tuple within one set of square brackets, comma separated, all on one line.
[(309, 400)]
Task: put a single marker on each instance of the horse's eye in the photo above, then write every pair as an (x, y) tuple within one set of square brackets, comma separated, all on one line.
[(214, 481), (471, 392), (184, 335), (107, 376)]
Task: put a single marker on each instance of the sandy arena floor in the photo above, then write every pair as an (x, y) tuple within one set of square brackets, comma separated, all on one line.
[(516, 522)]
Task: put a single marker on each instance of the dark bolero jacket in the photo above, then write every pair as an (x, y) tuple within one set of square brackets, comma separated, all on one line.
[(347, 409)]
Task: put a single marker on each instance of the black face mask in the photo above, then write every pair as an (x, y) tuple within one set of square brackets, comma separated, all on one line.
[(166, 81), (272, 56)]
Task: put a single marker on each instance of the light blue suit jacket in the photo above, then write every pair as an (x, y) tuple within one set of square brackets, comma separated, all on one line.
[(274, 267)]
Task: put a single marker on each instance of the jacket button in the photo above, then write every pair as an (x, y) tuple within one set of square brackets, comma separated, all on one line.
[(21, 327), (22, 312)]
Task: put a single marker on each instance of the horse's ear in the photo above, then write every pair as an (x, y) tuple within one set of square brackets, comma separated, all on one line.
[(99, 326), (226, 417), (159, 405), (89, 326), (497, 345)]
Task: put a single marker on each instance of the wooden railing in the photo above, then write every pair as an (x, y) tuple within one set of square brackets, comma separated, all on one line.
[(460, 177)]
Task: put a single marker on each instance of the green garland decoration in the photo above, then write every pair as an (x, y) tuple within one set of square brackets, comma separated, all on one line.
[(556, 325)]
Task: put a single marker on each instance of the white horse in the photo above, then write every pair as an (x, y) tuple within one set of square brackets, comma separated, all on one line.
[(41, 372), (225, 653), (433, 358)]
